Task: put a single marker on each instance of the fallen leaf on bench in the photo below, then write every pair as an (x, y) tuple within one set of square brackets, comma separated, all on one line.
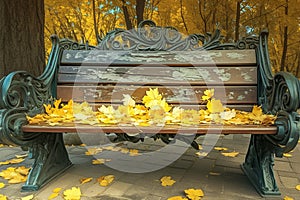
[(208, 94), (2, 185), (72, 194), (105, 180), (167, 181), (231, 154), (298, 187), (194, 194), (221, 148), (85, 180), (3, 197), (177, 198), (287, 155), (29, 197)]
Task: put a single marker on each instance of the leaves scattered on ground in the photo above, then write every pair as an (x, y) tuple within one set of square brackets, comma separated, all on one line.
[(15, 174), (2, 185), (230, 154), (288, 198), (106, 180), (72, 194), (85, 180), (55, 193), (194, 194), (298, 187), (167, 181), (29, 197), (12, 161), (3, 197)]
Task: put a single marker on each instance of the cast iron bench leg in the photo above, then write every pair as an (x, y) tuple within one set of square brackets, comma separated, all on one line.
[(51, 159), (258, 166)]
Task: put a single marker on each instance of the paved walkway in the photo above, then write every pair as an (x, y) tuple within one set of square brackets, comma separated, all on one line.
[(220, 177)]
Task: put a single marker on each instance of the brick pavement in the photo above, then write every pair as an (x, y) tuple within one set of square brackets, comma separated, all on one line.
[(218, 176)]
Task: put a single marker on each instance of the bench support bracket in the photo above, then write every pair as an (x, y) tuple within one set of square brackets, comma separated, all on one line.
[(51, 159), (258, 166)]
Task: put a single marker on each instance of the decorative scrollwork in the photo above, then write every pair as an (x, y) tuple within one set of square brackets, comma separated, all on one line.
[(148, 36)]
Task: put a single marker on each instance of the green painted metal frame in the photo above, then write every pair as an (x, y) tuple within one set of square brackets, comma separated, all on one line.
[(21, 94)]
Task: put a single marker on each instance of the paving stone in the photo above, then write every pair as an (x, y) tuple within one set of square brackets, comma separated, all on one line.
[(289, 182)]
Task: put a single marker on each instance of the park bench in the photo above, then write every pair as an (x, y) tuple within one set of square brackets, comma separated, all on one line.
[(132, 62)]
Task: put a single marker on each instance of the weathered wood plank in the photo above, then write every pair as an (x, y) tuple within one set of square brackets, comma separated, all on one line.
[(164, 75), (189, 58), (167, 129), (173, 94)]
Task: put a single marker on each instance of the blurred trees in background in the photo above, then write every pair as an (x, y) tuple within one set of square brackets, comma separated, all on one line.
[(90, 20)]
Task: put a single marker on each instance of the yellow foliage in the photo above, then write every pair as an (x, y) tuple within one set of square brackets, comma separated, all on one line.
[(231, 154), (154, 111), (85, 180), (29, 197), (298, 187), (167, 181), (15, 175), (72, 194), (194, 194), (2, 185), (106, 180), (3, 197)]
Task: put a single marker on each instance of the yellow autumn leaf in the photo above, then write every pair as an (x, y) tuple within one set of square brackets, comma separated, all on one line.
[(85, 180), (288, 198), (208, 94), (3, 197), (200, 154), (16, 160), (298, 187), (98, 161), (194, 194), (215, 106), (221, 148), (177, 198), (105, 180), (128, 101), (133, 152), (287, 155), (21, 155), (152, 97), (167, 181), (29, 197), (72, 194), (231, 154), (2, 185), (53, 195), (56, 190)]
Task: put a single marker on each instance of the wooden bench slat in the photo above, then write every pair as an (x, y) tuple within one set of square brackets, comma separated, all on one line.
[(163, 75), (167, 129), (173, 94), (215, 57)]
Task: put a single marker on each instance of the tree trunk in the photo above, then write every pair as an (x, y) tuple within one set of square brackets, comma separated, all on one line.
[(237, 20), (139, 9), (127, 16), (22, 36), (285, 39)]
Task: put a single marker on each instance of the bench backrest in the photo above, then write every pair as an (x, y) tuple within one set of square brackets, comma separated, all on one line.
[(182, 68)]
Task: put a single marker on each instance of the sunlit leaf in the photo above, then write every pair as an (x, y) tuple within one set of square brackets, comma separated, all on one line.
[(53, 195), (29, 197), (133, 152), (3, 197), (85, 180), (194, 194), (288, 198), (72, 194), (221, 148), (208, 94), (200, 154), (215, 106), (2, 185), (298, 187), (106, 180), (231, 154), (21, 156), (167, 181), (287, 155), (56, 190)]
